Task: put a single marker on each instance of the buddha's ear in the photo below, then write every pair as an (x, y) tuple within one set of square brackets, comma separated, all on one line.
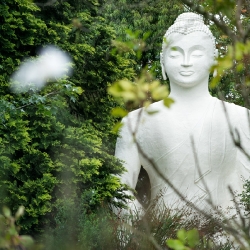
[(162, 67), (216, 54), (215, 73)]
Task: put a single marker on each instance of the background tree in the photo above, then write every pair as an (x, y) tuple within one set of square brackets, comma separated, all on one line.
[(56, 144), (144, 23)]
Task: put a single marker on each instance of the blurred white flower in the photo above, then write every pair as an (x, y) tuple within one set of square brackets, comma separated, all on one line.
[(51, 64)]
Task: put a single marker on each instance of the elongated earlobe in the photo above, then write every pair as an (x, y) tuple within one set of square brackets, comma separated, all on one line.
[(163, 72), (215, 73), (215, 62), (216, 54), (162, 67)]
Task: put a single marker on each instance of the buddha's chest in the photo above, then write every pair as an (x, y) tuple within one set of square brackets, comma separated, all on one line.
[(175, 140)]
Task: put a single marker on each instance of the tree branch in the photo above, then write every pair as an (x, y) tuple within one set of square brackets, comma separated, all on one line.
[(238, 20)]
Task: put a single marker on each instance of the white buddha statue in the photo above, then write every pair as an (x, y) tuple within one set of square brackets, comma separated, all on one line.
[(187, 56)]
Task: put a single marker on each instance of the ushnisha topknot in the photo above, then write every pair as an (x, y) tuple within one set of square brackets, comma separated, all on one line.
[(187, 23)]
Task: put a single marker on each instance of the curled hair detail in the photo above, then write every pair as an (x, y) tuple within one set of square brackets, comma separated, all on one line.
[(187, 23)]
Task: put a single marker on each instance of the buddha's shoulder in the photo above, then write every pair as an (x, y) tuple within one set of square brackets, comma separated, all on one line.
[(154, 107), (232, 108), (157, 105), (237, 115), (143, 114)]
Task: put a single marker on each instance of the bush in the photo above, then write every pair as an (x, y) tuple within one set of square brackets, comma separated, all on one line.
[(80, 229)]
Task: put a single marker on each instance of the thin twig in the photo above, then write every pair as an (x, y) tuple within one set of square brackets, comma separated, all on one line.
[(238, 20)]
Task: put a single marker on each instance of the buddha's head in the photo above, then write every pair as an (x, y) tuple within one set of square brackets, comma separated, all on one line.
[(188, 51)]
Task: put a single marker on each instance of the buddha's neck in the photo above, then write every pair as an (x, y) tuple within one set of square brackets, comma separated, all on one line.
[(189, 95)]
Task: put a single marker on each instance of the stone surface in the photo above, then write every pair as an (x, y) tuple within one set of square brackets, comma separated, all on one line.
[(166, 136)]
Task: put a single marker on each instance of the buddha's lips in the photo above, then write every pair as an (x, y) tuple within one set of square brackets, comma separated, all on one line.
[(186, 73)]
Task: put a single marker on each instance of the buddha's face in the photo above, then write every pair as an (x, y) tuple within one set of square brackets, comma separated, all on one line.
[(188, 58)]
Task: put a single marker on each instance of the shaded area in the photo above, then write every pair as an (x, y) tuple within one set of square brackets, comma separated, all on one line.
[(143, 188)]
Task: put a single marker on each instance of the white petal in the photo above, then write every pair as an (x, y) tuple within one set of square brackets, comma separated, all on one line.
[(52, 63)]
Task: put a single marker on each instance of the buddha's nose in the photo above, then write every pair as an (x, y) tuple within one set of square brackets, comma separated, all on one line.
[(186, 61)]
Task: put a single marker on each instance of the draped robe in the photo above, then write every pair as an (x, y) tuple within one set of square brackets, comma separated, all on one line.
[(165, 137)]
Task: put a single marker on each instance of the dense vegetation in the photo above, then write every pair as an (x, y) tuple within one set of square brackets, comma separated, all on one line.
[(57, 144)]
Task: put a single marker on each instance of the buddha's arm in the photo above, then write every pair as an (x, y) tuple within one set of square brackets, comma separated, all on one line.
[(244, 139), (126, 150)]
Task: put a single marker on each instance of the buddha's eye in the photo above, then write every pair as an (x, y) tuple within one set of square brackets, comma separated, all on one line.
[(174, 54), (197, 53)]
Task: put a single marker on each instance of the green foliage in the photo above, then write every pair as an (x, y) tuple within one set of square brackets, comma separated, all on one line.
[(20, 33), (26, 166), (237, 56), (88, 40), (140, 93), (76, 228), (9, 232), (56, 144), (79, 229), (142, 25), (186, 240), (245, 197)]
